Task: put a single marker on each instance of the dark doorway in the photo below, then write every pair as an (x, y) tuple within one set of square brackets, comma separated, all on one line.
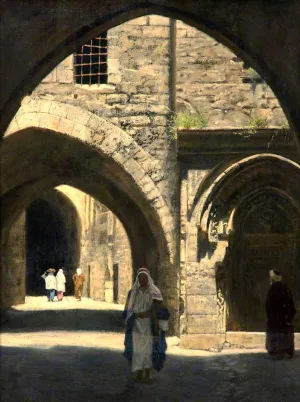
[(46, 243), (266, 240)]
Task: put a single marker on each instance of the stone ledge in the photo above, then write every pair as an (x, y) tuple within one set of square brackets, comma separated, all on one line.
[(247, 340), (233, 140), (252, 339), (202, 341)]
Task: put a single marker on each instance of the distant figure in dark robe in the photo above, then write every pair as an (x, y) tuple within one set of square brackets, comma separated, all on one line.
[(78, 280), (280, 309)]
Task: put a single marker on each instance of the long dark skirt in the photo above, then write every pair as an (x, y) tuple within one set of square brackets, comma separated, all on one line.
[(280, 340)]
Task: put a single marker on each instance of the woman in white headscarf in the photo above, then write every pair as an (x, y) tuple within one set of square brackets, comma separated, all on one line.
[(60, 284), (145, 343), (78, 280)]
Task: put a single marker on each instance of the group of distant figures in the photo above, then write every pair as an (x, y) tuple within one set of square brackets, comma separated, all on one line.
[(58, 283)]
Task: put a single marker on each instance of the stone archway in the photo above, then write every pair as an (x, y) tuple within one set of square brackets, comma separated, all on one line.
[(227, 211), (229, 23), (53, 230), (210, 232), (92, 170), (105, 137), (265, 237)]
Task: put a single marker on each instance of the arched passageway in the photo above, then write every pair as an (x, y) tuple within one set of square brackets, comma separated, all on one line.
[(46, 243), (86, 168), (52, 239)]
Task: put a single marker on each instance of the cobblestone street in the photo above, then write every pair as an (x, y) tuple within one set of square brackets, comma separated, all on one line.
[(72, 351)]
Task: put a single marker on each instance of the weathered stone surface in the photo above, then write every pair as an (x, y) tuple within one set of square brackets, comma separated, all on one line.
[(13, 284), (51, 77), (192, 241), (45, 106), (246, 339), (207, 67), (202, 341), (26, 120), (66, 126), (202, 324), (200, 286), (155, 32), (197, 304), (64, 75), (116, 99), (158, 20), (82, 118), (58, 109), (49, 121), (135, 120)]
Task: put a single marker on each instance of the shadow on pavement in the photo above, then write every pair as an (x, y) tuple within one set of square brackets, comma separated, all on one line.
[(64, 373), (68, 320)]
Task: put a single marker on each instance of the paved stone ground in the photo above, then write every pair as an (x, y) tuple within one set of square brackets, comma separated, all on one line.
[(72, 351)]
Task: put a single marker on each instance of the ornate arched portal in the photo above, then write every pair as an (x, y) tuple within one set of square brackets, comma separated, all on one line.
[(265, 236), (247, 221)]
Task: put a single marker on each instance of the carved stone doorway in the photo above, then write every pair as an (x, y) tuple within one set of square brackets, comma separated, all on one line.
[(266, 239)]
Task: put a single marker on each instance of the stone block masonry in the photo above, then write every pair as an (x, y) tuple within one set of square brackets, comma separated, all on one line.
[(211, 80)]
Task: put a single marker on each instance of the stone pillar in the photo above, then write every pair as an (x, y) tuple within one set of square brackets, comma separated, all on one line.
[(110, 242), (183, 272), (205, 309), (97, 280), (109, 291), (13, 265)]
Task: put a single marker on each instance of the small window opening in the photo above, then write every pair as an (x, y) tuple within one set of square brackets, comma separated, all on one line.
[(90, 62)]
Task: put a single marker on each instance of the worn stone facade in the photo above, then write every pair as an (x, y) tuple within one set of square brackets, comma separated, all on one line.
[(117, 143), (213, 81)]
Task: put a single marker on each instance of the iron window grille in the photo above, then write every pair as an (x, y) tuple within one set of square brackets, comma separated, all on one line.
[(90, 62)]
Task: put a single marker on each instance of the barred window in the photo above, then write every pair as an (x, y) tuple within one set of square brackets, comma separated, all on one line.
[(90, 62)]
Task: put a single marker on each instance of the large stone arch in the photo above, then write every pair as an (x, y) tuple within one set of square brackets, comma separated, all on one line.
[(103, 136), (239, 180), (96, 170), (229, 22)]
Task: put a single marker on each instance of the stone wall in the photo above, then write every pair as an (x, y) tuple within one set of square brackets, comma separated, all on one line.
[(138, 100), (13, 279), (201, 314), (122, 261), (136, 96), (214, 82), (103, 243)]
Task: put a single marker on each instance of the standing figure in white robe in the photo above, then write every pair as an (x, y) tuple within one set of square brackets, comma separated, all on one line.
[(139, 310), (60, 284), (50, 282)]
